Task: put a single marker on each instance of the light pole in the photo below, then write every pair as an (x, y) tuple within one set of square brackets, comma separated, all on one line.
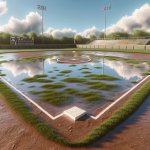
[(42, 8), (106, 8)]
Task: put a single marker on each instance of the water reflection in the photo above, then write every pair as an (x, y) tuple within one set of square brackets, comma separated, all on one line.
[(29, 68), (52, 60), (126, 70)]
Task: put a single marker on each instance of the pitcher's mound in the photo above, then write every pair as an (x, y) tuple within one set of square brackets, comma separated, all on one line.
[(74, 60)]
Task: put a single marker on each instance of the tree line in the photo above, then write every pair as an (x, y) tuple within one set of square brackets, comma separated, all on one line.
[(46, 39), (126, 35)]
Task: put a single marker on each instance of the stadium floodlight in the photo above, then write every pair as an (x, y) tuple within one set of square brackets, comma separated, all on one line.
[(106, 8), (42, 8)]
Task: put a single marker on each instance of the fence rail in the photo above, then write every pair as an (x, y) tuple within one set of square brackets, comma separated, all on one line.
[(126, 47)]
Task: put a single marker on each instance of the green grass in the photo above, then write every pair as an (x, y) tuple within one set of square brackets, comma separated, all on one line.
[(35, 79), (54, 97), (61, 74), (146, 73), (74, 80), (53, 86), (2, 74), (70, 91), (3, 61), (101, 77), (97, 67), (72, 65), (54, 77), (77, 49), (84, 68), (66, 71), (101, 86), (86, 72), (41, 76), (134, 82), (127, 60), (90, 96), (50, 71), (32, 86)]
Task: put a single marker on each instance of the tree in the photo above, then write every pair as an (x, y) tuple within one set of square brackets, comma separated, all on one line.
[(118, 35), (101, 35), (32, 35), (93, 37), (5, 38), (81, 40), (140, 33)]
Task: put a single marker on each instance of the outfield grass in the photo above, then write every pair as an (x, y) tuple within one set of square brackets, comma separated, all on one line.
[(70, 91), (97, 67), (36, 79), (101, 86), (102, 129), (74, 80), (66, 71), (90, 96), (76, 49), (53, 86), (101, 77), (52, 96), (2, 74)]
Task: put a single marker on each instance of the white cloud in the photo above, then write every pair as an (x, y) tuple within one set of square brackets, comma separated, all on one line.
[(90, 32), (32, 22), (68, 32), (140, 19), (58, 34), (3, 7)]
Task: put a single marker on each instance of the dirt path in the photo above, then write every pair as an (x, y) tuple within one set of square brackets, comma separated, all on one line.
[(134, 134)]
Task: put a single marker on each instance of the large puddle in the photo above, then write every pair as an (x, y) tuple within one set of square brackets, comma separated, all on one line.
[(58, 86)]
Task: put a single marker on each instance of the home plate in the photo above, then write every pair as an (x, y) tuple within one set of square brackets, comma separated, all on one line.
[(74, 113)]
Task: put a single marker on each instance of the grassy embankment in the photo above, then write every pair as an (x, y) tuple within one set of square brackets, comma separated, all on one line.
[(76, 49)]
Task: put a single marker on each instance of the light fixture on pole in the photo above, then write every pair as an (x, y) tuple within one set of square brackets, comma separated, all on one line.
[(42, 8), (106, 8)]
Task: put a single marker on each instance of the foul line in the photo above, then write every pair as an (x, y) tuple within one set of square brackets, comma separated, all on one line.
[(31, 101), (56, 117), (120, 98)]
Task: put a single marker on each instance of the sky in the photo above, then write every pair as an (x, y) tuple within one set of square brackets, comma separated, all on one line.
[(71, 17)]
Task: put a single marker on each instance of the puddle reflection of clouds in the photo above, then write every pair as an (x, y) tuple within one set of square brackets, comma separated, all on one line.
[(126, 70), (18, 68)]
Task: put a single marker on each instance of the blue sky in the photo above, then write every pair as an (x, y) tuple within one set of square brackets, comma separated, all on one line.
[(74, 17), (76, 14)]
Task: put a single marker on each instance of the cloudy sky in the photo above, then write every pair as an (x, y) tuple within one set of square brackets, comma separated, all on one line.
[(70, 17)]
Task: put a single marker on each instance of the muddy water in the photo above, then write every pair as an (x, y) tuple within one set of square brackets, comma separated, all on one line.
[(16, 71)]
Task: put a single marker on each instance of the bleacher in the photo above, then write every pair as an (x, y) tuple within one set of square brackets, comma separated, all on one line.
[(121, 42)]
